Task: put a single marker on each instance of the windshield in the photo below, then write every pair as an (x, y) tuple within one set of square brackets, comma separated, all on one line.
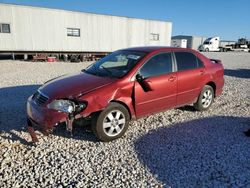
[(207, 41), (116, 64)]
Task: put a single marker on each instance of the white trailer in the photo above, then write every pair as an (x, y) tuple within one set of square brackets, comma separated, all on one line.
[(180, 43), (26, 29), (192, 41)]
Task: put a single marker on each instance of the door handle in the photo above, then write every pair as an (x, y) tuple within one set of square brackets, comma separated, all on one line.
[(172, 78)]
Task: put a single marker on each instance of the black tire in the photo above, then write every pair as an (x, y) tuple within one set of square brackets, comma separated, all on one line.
[(203, 103), (206, 50), (100, 119)]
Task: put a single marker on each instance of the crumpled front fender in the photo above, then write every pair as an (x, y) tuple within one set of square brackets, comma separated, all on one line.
[(100, 99)]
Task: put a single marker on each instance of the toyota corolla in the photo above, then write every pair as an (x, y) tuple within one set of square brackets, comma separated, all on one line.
[(127, 84)]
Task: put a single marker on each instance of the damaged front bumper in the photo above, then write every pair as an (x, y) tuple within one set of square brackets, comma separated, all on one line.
[(44, 119)]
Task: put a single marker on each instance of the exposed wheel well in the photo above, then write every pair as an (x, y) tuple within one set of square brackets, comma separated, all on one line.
[(212, 84), (123, 104)]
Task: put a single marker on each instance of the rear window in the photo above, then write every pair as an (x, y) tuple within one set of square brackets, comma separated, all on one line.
[(187, 61)]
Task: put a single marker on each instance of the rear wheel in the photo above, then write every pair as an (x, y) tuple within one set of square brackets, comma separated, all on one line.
[(205, 99), (111, 123), (206, 50)]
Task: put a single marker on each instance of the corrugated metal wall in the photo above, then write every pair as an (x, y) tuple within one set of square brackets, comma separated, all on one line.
[(42, 29)]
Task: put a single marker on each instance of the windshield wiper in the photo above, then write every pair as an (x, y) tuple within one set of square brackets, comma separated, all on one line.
[(107, 70)]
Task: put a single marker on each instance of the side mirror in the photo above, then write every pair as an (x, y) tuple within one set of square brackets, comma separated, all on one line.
[(143, 83), (139, 77)]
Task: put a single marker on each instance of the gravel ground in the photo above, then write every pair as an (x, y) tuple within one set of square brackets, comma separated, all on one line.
[(177, 148)]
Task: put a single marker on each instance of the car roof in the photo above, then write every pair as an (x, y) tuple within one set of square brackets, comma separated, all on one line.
[(154, 48)]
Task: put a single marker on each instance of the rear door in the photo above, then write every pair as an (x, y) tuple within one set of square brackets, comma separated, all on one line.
[(158, 74), (191, 77)]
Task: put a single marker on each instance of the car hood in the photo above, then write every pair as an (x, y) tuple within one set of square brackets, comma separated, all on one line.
[(71, 86)]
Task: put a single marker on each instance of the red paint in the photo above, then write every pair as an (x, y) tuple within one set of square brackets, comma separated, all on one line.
[(73, 85), (162, 96), (166, 91)]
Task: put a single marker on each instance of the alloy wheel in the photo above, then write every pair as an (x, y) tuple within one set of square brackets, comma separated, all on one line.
[(206, 98), (114, 123)]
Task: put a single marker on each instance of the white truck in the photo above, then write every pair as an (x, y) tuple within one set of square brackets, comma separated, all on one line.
[(214, 44)]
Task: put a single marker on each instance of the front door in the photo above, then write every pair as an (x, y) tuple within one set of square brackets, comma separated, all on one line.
[(161, 81)]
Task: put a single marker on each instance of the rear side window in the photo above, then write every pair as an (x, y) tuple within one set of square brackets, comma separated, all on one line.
[(157, 65), (187, 61)]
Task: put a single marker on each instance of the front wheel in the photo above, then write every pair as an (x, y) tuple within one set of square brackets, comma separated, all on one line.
[(205, 99), (111, 123)]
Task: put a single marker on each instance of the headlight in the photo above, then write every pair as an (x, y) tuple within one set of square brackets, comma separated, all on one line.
[(62, 106)]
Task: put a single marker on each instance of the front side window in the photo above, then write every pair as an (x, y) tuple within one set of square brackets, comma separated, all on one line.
[(187, 61), (116, 64), (157, 65), (4, 28), (73, 32), (200, 63)]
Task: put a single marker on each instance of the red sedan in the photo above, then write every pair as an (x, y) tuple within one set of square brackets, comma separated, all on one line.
[(127, 84)]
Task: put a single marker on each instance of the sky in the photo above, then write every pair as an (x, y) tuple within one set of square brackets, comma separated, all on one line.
[(228, 19)]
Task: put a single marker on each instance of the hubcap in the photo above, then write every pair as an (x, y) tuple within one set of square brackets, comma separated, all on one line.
[(113, 123), (206, 98)]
